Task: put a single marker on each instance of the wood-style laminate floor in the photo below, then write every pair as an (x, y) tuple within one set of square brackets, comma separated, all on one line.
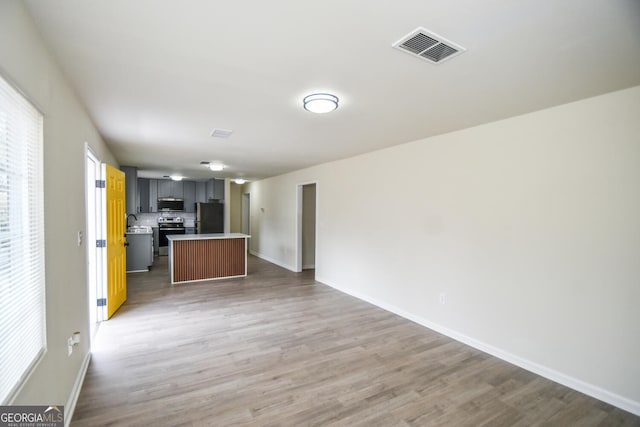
[(278, 349)]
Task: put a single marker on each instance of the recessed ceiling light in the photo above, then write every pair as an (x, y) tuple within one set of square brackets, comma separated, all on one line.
[(176, 177), (320, 103), (216, 167), (240, 181)]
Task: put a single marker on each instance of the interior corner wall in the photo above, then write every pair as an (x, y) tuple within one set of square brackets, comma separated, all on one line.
[(25, 61), (530, 226)]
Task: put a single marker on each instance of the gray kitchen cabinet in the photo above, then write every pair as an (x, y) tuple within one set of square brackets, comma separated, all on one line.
[(189, 196), (164, 188), (215, 189), (210, 189), (153, 196), (177, 189), (201, 192), (131, 188), (149, 190), (170, 188), (143, 195), (189, 230), (139, 251), (219, 189)]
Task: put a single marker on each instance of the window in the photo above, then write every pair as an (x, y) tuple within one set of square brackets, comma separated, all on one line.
[(22, 289)]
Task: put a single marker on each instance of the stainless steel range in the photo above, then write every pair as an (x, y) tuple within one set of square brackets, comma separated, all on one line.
[(168, 225)]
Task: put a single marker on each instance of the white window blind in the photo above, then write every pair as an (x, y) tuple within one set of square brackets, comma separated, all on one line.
[(22, 290)]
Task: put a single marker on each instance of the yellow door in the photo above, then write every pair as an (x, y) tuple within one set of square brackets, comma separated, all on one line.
[(116, 228)]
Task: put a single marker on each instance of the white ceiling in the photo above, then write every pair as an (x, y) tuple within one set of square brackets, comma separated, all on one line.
[(158, 75)]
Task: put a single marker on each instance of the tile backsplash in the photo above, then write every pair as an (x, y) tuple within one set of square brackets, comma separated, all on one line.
[(152, 218)]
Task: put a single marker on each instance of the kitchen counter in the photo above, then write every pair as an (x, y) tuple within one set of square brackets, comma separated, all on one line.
[(199, 257), (207, 236), (139, 229)]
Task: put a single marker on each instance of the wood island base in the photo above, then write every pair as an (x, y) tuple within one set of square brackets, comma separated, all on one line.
[(199, 257)]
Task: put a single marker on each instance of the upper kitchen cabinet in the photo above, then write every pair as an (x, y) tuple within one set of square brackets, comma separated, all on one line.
[(189, 196), (170, 188), (143, 195), (150, 190), (219, 189), (153, 195), (131, 188), (201, 192), (164, 188), (215, 189)]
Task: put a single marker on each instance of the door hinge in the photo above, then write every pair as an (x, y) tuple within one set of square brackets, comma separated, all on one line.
[(101, 302), (101, 243), (101, 183)]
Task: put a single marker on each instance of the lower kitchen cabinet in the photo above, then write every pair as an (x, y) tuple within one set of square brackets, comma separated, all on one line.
[(139, 252)]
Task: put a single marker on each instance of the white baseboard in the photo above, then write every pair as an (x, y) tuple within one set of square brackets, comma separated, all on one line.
[(70, 407), (308, 266), (551, 374), (273, 261)]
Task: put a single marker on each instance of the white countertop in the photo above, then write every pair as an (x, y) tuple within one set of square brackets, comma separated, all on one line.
[(206, 236), (139, 229)]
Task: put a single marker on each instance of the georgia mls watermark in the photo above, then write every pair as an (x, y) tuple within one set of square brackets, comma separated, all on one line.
[(32, 416)]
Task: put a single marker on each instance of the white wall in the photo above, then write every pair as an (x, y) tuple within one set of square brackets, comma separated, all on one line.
[(25, 61), (530, 226)]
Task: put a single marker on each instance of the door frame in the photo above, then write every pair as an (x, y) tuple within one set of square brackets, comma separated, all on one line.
[(93, 232), (299, 209)]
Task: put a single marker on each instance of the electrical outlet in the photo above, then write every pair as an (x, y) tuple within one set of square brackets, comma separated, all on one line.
[(79, 238), (442, 298)]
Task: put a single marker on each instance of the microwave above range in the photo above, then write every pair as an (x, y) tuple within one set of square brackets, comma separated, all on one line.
[(170, 204)]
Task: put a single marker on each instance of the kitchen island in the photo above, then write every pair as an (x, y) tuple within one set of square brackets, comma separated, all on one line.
[(198, 257)]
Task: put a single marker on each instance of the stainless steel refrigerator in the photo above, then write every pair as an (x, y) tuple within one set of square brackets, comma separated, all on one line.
[(209, 218)]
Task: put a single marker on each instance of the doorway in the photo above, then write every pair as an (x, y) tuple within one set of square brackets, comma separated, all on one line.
[(95, 284), (307, 200)]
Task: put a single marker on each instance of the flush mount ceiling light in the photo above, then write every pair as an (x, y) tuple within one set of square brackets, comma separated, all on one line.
[(240, 181), (216, 167), (320, 103), (176, 177)]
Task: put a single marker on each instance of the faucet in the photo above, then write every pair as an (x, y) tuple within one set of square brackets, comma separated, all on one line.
[(129, 216)]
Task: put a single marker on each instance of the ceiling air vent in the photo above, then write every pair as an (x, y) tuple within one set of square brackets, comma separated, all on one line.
[(221, 133), (428, 46)]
